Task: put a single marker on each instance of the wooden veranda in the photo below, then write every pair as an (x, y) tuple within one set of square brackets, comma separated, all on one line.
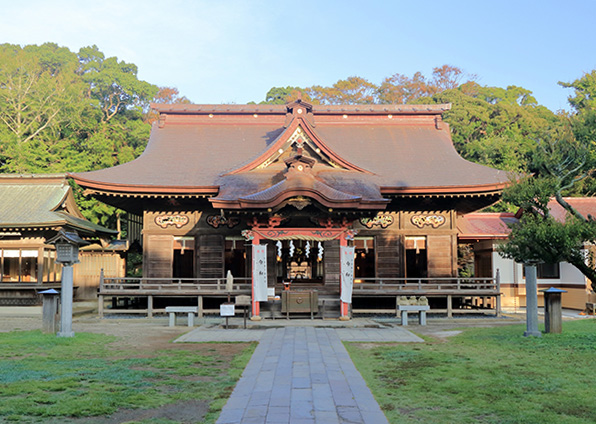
[(458, 295)]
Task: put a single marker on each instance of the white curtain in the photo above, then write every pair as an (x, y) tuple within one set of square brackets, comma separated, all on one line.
[(346, 272), (259, 271)]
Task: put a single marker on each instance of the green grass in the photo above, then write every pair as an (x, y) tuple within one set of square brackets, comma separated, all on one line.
[(486, 375), (43, 376)]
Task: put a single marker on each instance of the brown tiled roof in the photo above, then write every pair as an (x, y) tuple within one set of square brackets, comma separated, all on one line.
[(484, 226), (584, 205), (389, 149)]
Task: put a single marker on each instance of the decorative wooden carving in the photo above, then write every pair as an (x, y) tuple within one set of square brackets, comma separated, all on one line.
[(433, 220), (165, 220), (299, 234), (219, 221), (272, 221), (382, 220), (299, 202), (329, 222)]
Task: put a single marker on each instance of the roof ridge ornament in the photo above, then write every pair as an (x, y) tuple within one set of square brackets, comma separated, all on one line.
[(299, 109)]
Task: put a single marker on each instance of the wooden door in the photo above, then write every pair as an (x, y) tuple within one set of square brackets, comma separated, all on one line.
[(331, 261), (211, 257), (158, 256), (388, 248), (440, 256)]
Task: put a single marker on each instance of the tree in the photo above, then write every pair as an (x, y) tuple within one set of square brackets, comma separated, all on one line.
[(401, 89), (351, 91), (113, 84), (283, 95), (165, 96), (63, 112), (561, 162), (494, 126), (40, 96)]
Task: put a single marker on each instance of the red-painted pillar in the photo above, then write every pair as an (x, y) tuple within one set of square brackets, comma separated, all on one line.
[(255, 305), (343, 307)]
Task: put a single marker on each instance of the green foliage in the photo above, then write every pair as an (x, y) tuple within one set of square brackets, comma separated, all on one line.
[(283, 95), (46, 377), (561, 162), (67, 112), (496, 127), (113, 85), (351, 91), (485, 375)]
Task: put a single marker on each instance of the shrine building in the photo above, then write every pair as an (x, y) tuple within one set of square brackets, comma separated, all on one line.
[(359, 203)]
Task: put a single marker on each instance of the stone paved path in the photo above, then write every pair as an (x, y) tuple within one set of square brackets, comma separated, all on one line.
[(301, 375)]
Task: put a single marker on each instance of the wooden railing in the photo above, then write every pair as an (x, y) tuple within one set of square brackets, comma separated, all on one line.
[(181, 285), (425, 285), (361, 285)]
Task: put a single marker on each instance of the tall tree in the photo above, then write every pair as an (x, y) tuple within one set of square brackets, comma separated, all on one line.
[(351, 91), (283, 95), (495, 126), (113, 84), (167, 96), (401, 89), (40, 96), (564, 160)]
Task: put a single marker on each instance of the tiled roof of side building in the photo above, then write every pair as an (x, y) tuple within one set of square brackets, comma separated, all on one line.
[(36, 201), (484, 226), (584, 205)]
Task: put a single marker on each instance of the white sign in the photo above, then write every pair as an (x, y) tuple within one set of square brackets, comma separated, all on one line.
[(226, 309), (259, 272), (346, 273)]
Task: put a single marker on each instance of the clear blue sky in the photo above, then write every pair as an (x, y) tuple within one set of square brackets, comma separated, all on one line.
[(235, 51)]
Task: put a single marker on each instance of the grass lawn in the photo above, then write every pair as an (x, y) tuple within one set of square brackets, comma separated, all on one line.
[(486, 375), (44, 378)]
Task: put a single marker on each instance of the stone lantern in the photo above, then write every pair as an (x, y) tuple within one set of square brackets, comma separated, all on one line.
[(67, 253)]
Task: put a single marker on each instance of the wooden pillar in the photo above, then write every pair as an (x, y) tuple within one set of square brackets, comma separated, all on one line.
[(255, 305), (200, 306), (449, 306), (343, 307)]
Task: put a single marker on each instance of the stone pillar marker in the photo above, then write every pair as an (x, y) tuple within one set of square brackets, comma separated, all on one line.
[(531, 301), (553, 314), (49, 311)]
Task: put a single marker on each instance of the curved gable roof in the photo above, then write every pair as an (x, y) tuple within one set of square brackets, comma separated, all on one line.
[(200, 149)]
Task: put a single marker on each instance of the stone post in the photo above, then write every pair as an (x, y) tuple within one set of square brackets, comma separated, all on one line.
[(49, 312), (553, 314), (531, 302), (66, 299)]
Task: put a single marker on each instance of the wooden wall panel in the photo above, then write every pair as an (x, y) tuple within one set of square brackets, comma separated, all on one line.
[(440, 254), (331, 261), (388, 248), (86, 272), (158, 256), (575, 298), (211, 256)]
